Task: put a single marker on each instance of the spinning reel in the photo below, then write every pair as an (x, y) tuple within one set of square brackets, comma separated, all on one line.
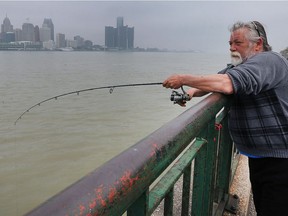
[(179, 98)]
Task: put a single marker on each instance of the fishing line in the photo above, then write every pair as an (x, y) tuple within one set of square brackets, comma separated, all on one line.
[(111, 89)]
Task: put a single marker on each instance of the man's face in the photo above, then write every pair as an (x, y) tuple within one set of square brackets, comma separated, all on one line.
[(240, 46)]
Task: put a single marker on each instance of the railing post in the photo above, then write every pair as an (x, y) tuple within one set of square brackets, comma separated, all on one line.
[(224, 156), (140, 206), (186, 190), (210, 169), (199, 181), (168, 203)]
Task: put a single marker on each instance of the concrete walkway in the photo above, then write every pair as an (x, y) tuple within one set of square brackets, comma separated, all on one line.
[(242, 188)]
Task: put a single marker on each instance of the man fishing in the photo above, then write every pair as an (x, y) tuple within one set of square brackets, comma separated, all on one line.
[(258, 117)]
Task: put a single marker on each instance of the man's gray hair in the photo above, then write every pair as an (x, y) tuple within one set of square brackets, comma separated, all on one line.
[(256, 30)]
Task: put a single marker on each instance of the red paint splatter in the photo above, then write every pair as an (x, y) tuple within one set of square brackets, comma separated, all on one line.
[(112, 194), (103, 203), (127, 181), (154, 150), (82, 209), (92, 204), (99, 190), (99, 195)]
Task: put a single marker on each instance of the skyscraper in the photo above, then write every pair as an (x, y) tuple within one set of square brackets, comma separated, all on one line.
[(60, 40), (37, 33), (7, 31), (130, 38), (48, 23), (110, 37), (6, 26), (28, 33), (18, 34), (121, 37), (45, 34)]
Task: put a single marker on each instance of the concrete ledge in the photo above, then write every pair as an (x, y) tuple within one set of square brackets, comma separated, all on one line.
[(241, 187)]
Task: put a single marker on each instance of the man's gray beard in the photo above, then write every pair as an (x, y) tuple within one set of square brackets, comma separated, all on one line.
[(236, 58)]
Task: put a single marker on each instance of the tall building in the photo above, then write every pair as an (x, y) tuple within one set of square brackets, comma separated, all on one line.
[(28, 33), (6, 26), (60, 40), (45, 34), (7, 34), (37, 33), (121, 37), (79, 41), (48, 23), (110, 37), (130, 38), (18, 34)]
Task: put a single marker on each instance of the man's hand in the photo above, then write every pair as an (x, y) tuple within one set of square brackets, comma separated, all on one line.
[(173, 82)]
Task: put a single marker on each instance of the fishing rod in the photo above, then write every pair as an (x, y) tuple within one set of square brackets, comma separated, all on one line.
[(175, 96)]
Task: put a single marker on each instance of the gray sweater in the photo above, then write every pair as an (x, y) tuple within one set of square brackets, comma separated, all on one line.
[(258, 117)]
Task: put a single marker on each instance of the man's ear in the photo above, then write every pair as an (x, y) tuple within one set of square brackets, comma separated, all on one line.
[(259, 45)]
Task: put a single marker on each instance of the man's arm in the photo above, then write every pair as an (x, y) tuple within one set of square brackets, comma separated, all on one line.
[(206, 83), (193, 92)]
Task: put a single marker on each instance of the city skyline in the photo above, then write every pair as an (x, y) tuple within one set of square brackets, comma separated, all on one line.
[(44, 32), (121, 37), (183, 25)]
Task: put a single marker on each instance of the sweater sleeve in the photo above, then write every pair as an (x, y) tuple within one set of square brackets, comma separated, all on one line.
[(259, 73)]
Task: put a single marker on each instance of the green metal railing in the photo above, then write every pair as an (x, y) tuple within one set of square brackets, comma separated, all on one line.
[(196, 146)]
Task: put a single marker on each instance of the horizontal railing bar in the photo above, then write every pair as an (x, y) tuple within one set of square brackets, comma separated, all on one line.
[(124, 178), (171, 177)]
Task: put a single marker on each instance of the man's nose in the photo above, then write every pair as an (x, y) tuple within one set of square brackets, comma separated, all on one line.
[(232, 48)]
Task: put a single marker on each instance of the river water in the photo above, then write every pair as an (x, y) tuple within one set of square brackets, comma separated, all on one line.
[(57, 143)]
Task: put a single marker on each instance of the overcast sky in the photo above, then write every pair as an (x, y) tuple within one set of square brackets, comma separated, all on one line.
[(181, 25)]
